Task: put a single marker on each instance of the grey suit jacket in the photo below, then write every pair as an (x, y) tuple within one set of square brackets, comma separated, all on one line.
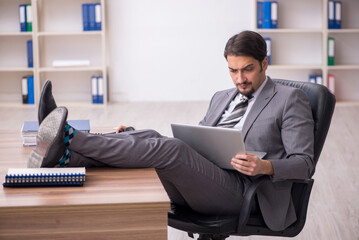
[(280, 123)]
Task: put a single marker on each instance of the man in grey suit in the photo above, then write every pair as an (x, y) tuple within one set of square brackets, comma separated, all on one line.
[(274, 119)]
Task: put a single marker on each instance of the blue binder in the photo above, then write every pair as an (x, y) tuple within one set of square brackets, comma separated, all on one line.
[(331, 6), (269, 49), (30, 58), (91, 15), (267, 22), (98, 17), (313, 78), (30, 90), (274, 14), (259, 14), (94, 89), (85, 17), (338, 15), (22, 17), (100, 90)]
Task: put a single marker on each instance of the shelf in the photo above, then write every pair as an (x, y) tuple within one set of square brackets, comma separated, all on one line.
[(16, 69), (294, 66), (344, 67), (348, 30), (70, 33), (4, 34), (70, 69), (289, 30)]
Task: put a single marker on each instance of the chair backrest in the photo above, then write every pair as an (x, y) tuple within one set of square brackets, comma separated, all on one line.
[(322, 102)]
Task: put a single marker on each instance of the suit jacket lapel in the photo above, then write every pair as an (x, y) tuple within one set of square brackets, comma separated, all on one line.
[(222, 107), (261, 102)]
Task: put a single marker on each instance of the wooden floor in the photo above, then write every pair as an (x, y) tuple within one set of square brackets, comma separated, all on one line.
[(334, 205)]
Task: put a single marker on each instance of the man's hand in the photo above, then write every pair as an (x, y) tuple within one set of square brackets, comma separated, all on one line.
[(252, 165), (118, 129)]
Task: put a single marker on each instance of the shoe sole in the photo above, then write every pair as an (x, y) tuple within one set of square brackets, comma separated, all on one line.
[(51, 132)]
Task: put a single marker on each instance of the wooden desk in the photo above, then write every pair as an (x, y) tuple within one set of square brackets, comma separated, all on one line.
[(112, 204)]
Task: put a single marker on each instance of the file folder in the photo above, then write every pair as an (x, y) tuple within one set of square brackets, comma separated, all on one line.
[(24, 90), (319, 79), (98, 17), (100, 90), (259, 14), (269, 49), (331, 83), (85, 17), (28, 18), (338, 15), (312, 78), (331, 15), (94, 89), (274, 14), (30, 58), (331, 51), (30, 90), (91, 15), (22, 17), (267, 14)]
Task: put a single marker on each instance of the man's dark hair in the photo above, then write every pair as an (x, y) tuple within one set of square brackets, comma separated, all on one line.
[(247, 43)]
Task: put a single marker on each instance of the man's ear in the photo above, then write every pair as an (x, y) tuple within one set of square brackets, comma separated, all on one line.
[(265, 63)]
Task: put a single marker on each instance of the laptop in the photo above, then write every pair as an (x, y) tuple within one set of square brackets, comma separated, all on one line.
[(219, 145)]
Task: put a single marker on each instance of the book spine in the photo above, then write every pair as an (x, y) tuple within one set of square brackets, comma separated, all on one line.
[(274, 14), (269, 49), (331, 51), (85, 16), (24, 90), (267, 14), (338, 15), (98, 17), (30, 90), (94, 89), (100, 90), (331, 83), (28, 18), (22, 17), (30, 58), (259, 14), (330, 14), (91, 15)]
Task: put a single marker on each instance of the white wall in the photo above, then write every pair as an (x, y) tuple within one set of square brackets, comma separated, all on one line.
[(166, 50)]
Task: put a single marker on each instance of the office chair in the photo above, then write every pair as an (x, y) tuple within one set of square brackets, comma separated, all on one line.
[(248, 222)]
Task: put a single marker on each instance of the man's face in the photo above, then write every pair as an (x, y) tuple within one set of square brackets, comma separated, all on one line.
[(246, 73)]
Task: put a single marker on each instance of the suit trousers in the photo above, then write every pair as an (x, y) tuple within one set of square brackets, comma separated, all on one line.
[(188, 178)]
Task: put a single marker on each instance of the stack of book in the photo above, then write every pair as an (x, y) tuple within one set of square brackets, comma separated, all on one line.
[(30, 128), (267, 14)]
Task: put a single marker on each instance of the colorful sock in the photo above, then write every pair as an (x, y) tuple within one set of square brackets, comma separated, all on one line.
[(64, 161), (69, 134)]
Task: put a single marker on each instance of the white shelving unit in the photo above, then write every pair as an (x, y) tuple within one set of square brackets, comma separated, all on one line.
[(57, 34), (299, 44)]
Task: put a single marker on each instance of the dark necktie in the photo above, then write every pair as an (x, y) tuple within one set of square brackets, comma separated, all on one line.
[(236, 115)]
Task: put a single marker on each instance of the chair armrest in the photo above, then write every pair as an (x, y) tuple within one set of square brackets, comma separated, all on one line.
[(247, 200)]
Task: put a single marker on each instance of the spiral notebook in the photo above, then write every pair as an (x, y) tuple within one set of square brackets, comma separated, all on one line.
[(32, 177)]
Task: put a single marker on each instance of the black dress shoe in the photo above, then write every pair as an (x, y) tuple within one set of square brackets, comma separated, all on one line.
[(50, 146), (47, 102)]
